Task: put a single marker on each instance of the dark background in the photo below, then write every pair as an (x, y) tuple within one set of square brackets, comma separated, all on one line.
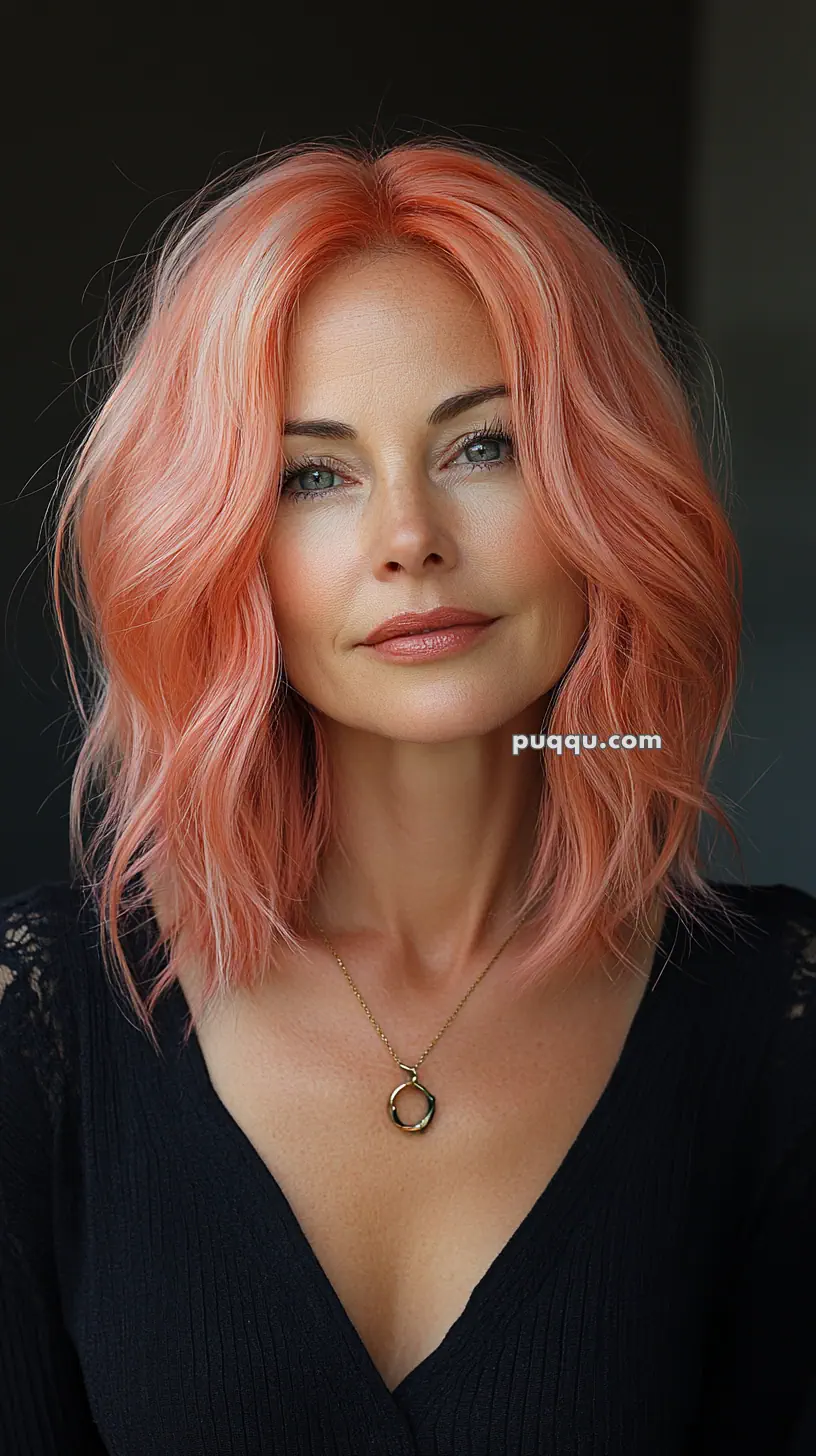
[(692, 128)]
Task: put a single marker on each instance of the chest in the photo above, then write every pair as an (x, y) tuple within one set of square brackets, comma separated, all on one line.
[(405, 1225)]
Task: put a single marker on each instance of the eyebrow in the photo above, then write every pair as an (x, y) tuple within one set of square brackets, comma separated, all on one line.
[(447, 410)]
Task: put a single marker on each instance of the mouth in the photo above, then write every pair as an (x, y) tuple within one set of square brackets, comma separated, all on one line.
[(427, 644), (425, 624)]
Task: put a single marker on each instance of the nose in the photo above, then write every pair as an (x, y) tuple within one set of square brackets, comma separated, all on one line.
[(407, 529)]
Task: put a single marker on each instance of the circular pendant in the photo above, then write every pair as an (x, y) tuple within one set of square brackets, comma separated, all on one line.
[(392, 1101)]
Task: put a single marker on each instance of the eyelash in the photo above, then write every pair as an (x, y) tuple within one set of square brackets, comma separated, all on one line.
[(493, 431)]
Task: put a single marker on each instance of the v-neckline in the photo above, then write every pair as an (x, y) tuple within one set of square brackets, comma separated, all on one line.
[(553, 1216)]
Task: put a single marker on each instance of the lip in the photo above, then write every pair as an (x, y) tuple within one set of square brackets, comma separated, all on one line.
[(411, 624), (440, 642)]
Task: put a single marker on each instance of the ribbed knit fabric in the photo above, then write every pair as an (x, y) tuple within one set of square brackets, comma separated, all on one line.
[(159, 1298)]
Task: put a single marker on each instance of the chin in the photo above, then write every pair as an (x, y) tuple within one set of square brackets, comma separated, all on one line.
[(437, 723)]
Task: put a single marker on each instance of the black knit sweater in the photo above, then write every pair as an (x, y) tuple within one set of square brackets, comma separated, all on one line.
[(159, 1298)]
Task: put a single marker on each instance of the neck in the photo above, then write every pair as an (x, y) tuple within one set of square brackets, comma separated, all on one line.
[(433, 844)]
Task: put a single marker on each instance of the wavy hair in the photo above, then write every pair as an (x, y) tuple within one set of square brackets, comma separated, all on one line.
[(211, 771)]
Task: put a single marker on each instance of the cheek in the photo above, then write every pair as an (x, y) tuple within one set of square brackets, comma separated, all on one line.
[(309, 582), (554, 602), (540, 575)]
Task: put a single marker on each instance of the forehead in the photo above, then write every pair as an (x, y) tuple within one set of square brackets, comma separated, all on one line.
[(389, 311)]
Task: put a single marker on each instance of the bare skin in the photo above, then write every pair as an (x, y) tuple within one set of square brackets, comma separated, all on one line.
[(435, 827)]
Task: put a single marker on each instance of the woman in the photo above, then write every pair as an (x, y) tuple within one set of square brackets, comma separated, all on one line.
[(393, 492)]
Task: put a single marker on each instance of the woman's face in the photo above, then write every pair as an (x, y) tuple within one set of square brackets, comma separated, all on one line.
[(407, 515)]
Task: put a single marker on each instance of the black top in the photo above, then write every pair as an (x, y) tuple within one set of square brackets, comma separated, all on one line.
[(159, 1298)]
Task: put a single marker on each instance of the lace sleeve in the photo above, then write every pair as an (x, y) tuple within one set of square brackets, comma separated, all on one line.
[(43, 1405), (800, 936), (788, 1088), (29, 1025), (762, 1373)]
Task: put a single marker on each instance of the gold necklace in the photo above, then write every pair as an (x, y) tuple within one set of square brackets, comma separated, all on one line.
[(404, 1066)]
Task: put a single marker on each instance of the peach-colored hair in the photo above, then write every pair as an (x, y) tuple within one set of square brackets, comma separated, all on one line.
[(211, 771)]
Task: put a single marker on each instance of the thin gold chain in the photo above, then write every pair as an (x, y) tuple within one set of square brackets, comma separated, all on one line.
[(378, 1029)]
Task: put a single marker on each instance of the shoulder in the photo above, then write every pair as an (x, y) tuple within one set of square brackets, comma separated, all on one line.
[(777, 925), (36, 921), (769, 908), (39, 940), (787, 915), (767, 934), (775, 929)]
